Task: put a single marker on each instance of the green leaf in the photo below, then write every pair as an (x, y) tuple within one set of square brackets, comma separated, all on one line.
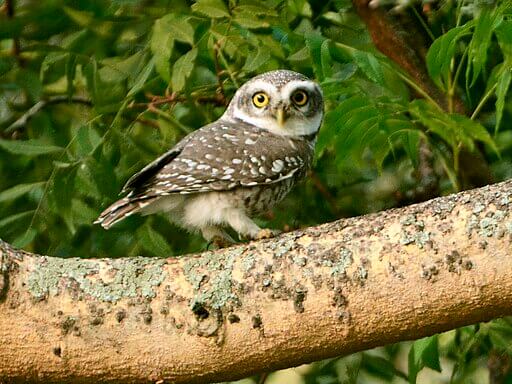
[(326, 59), (153, 241), (360, 123), (314, 42), (82, 18), (162, 44), (453, 128), (140, 80), (50, 62), (367, 62), (178, 27), (256, 8), (500, 333), (441, 52), (474, 130), (353, 368), (379, 366), (370, 65), (9, 220), (71, 63), (92, 77), (82, 213), (485, 25), (25, 239), (423, 353), (501, 92), (256, 59), (31, 147), (411, 142), (61, 193), (89, 20), (6, 64), (249, 20), (211, 8), (29, 80), (182, 70), (504, 36), (19, 190)]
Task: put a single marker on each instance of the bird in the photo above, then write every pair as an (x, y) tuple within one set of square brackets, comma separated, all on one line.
[(239, 166)]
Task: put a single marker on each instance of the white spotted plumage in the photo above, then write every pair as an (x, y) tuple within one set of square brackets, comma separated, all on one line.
[(234, 168)]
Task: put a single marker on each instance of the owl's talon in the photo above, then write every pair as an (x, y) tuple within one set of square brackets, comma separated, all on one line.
[(219, 242), (267, 233)]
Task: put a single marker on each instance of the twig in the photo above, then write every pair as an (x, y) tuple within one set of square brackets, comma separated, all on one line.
[(160, 100), (148, 122), (263, 378), (218, 70), (23, 120), (499, 365), (16, 49)]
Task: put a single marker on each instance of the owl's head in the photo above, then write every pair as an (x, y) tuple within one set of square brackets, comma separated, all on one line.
[(283, 102)]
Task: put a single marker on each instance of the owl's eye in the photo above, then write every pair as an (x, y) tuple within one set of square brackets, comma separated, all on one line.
[(300, 98), (260, 99)]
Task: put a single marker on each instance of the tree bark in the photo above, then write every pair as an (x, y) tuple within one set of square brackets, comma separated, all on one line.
[(315, 293)]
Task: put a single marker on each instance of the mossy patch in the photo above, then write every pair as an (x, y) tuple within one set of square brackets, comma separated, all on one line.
[(129, 278)]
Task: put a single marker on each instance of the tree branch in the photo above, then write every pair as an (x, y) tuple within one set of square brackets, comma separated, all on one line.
[(32, 111), (324, 291)]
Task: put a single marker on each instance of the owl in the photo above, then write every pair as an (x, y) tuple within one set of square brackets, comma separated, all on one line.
[(237, 167)]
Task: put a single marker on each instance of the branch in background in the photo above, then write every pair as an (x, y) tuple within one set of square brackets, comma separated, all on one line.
[(174, 98), (307, 295), (404, 47), (16, 49), (218, 72), (390, 38), (23, 120), (500, 367)]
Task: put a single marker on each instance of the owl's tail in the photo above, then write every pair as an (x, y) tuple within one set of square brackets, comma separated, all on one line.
[(122, 209)]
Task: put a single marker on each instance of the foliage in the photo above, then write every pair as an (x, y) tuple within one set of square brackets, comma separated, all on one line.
[(90, 91)]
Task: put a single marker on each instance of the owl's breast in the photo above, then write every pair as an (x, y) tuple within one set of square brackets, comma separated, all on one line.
[(259, 199)]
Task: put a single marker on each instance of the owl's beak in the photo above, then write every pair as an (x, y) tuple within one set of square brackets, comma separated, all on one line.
[(281, 116)]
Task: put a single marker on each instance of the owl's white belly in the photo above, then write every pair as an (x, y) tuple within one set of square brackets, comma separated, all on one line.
[(197, 211)]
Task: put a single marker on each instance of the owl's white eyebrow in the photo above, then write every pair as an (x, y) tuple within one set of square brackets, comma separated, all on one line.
[(260, 85), (302, 84)]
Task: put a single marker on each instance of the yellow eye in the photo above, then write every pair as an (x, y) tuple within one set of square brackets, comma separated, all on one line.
[(260, 99), (300, 98)]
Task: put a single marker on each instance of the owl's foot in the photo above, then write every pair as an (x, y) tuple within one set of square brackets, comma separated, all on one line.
[(218, 242), (267, 233), (217, 237)]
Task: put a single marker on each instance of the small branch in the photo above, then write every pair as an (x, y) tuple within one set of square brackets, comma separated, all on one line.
[(148, 122), (218, 71), (500, 366), (23, 120), (173, 98), (482, 102), (16, 49)]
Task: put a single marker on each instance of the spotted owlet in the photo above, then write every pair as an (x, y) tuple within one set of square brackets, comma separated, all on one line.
[(236, 167)]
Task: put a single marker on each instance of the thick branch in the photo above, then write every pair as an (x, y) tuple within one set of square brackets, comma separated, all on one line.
[(307, 295)]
